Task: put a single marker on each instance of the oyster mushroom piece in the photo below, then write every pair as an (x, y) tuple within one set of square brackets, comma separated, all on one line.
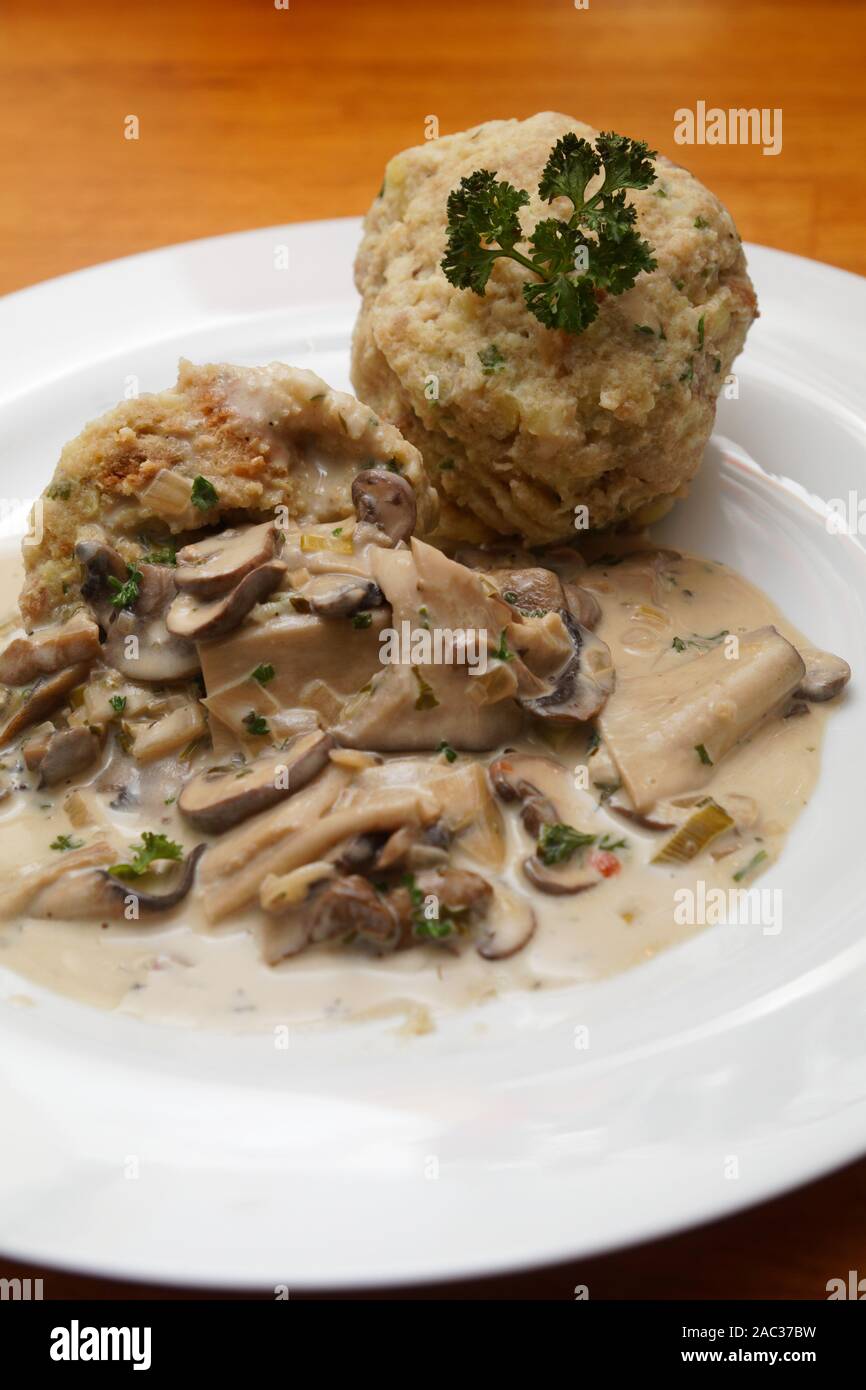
[(826, 675), (211, 567), (222, 797), (544, 788), (67, 753), (337, 596), (101, 562), (138, 643), (583, 606), (509, 926), (581, 688), (352, 905), (387, 501), (21, 887), (158, 902), (33, 705), (668, 730), (200, 620), (49, 649)]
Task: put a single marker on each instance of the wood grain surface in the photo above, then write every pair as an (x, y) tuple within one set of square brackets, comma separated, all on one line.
[(251, 114)]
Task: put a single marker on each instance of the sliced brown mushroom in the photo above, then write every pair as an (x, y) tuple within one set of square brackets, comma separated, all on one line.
[(222, 797), (387, 501), (67, 753), (541, 784), (572, 876), (581, 688), (212, 566), (36, 746), (34, 704), (583, 606), (534, 590), (158, 902), (101, 562), (203, 620), (509, 926), (351, 906), (49, 649), (337, 596), (826, 675)]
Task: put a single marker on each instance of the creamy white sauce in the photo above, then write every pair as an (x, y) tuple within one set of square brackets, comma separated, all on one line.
[(186, 973)]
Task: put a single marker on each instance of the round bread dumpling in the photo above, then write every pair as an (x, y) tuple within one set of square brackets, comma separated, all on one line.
[(225, 443), (522, 427)]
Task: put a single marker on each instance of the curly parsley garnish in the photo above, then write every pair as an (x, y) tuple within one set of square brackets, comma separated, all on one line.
[(152, 848), (572, 268), (264, 673), (118, 703)]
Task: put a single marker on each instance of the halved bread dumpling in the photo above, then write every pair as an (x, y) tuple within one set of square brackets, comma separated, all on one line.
[(225, 442)]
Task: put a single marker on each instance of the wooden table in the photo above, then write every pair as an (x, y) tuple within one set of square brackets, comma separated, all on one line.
[(251, 114)]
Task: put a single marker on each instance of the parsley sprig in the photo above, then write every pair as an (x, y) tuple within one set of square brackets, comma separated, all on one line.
[(152, 848), (572, 268)]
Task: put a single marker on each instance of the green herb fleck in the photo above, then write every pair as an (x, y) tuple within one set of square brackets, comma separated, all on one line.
[(703, 755), (491, 360), (362, 620), (502, 652), (264, 673), (163, 555), (751, 866), (645, 328), (701, 224), (152, 848), (125, 595), (701, 331), (256, 724), (678, 644), (448, 753), (118, 703), (64, 842), (688, 374), (204, 495), (426, 697), (557, 843)]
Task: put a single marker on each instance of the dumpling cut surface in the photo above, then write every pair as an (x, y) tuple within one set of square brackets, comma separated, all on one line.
[(224, 441)]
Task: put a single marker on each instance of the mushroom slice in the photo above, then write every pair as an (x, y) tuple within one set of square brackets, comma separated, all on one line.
[(210, 567), (337, 596), (68, 752), (542, 784), (48, 650), (352, 907), (200, 620), (36, 746), (158, 902), (571, 876), (583, 606), (178, 728), (456, 898), (509, 925), (32, 705), (825, 676), (581, 688), (100, 562), (387, 501), (21, 888), (222, 797), (536, 590), (668, 730)]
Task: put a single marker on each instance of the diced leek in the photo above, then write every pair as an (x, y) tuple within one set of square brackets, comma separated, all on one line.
[(705, 824)]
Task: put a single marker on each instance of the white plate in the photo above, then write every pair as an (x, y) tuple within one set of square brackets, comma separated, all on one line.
[(356, 1157)]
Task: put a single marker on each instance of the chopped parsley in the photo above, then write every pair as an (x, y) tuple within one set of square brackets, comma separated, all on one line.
[(557, 843), (609, 843), (703, 755), (502, 652), (701, 224), (64, 842), (426, 928), (264, 673), (751, 866), (362, 620), (204, 495), (152, 848), (701, 331), (569, 266), (256, 724), (125, 595), (448, 753), (678, 644), (163, 555), (491, 360), (118, 703)]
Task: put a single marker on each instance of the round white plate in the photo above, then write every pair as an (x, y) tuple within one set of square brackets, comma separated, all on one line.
[(720, 1073)]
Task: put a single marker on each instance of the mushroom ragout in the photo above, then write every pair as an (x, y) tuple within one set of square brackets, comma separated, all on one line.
[(216, 739)]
